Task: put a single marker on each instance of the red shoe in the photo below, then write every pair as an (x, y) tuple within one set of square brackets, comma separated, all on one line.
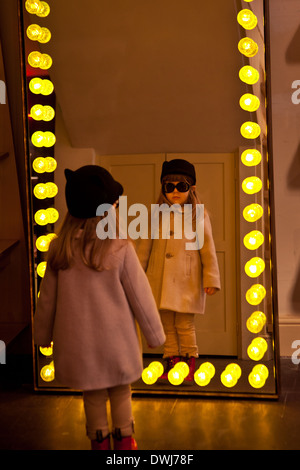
[(171, 361), (101, 443), (191, 362), (124, 443)]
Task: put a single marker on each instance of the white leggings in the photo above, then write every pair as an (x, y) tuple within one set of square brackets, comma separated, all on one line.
[(96, 411)]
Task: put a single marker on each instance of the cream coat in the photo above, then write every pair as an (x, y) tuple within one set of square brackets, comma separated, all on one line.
[(90, 316), (177, 276)]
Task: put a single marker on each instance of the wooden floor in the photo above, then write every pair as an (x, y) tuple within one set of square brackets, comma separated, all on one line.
[(41, 421)]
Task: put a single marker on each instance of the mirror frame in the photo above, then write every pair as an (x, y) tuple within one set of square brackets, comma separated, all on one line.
[(33, 204)]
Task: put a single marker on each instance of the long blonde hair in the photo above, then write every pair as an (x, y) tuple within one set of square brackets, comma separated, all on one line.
[(79, 234)]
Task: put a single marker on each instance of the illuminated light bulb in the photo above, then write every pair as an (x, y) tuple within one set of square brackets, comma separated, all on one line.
[(252, 185), (254, 267), (42, 217), (33, 32), (157, 367), (35, 85), (249, 75), (52, 189), (48, 113), (235, 369), (51, 164), (52, 214), (32, 6), (249, 102), (48, 351), (253, 240), (149, 376), (45, 35), (51, 236), (248, 1), (42, 243), (49, 139), (183, 368), (41, 268), (35, 59), (229, 378), (37, 139), (262, 370), (256, 350), (175, 376), (250, 130), (39, 165), (247, 19), (47, 87), (36, 112), (47, 372), (253, 212), (248, 47), (43, 10), (255, 294), (46, 62), (204, 374), (41, 191), (251, 157), (256, 322), (256, 380)]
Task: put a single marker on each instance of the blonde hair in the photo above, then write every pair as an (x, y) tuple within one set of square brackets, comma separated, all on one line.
[(79, 234)]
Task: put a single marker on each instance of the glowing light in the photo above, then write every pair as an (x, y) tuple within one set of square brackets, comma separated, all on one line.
[(41, 164), (248, 47), (49, 139), (41, 268), (256, 350), (42, 113), (157, 367), (253, 240), (38, 33), (252, 185), (43, 139), (51, 164), (44, 10), (247, 19), (255, 294), (48, 351), (41, 86), (40, 191), (253, 212), (42, 217), (149, 376), (182, 367), (38, 60), (251, 157), (42, 243), (204, 374), (52, 189), (175, 376), (229, 378), (52, 214), (32, 6), (249, 102), (256, 322), (250, 130), (254, 267), (47, 372), (249, 75)]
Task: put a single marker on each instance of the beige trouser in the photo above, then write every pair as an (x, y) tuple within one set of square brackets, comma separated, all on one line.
[(96, 411), (180, 334)]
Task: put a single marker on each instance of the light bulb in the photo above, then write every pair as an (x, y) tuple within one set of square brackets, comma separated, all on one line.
[(51, 236), (42, 243), (204, 374), (183, 368), (49, 139), (35, 59), (47, 87), (157, 367), (52, 189), (253, 212), (262, 370), (247, 19), (255, 294), (256, 350), (45, 35), (35, 85), (48, 351), (36, 112), (47, 372), (39, 165), (32, 6), (248, 47), (42, 217), (253, 240), (33, 32), (254, 267), (256, 322), (175, 376), (249, 74), (41, 268), (41, 191), (251, 157), (252, 185), (48, 113), (37, 139), (51, 164), (250, 130), (249, 102), (43, 10), (149, 376), (52, 214), (229, 378), (235, 369), (46, 62)]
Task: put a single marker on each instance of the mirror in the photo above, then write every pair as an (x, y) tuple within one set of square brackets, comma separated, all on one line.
[(138, 83)]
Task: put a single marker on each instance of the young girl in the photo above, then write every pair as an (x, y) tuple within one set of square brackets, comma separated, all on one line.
[(180, 278), (91, 296)]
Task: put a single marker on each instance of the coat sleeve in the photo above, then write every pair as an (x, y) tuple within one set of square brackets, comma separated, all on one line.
[(45, 311), (140, 298), (211, 273)]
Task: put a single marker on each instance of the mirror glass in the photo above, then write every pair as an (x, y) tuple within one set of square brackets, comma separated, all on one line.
[(136, 84)]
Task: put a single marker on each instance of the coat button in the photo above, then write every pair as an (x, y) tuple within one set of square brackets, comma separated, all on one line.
[(169, 255), (171, 233)]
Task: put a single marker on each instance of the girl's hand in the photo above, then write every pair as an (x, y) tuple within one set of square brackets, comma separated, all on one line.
[(210, 290)]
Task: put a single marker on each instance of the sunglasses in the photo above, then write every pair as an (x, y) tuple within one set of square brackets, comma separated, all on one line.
[(182, 187)]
